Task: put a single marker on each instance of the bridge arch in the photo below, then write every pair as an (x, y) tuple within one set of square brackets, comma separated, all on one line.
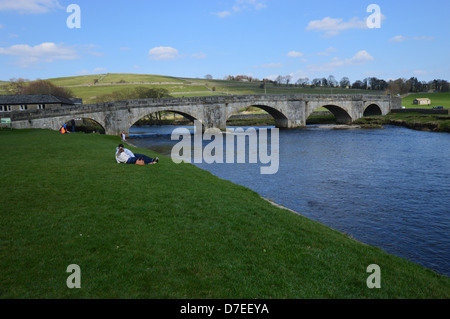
[(78, 121), (186, 115), (55, 123), (139, 114), (341, 114), (281, 120), (372, 109)]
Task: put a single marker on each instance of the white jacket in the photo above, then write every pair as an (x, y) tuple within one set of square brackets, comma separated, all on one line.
[(124, 156)]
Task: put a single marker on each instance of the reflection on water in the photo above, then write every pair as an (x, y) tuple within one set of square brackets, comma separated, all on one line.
[(388, 188)]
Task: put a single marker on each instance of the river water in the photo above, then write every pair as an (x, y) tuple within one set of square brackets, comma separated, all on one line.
[(388, 188)]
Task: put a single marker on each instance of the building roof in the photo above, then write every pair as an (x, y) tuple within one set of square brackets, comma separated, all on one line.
[(423, 99), (33, 99)]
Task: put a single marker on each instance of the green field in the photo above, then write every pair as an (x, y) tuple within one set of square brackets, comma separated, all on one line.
[(83, 86), (168, 231), (90, 93), (437, 99), (417, 121), (140, 78)]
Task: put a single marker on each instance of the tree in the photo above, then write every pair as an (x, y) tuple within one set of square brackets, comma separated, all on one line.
[(416, 86), (279, 80), (332, 81), (316, 82), (399, 86), (439, 85), (358, 84), (377, 84), (345, 82), (302, 82), (365, 85), (46, 87), (208, 77), (288, 79), (16, 86), (150, 93)]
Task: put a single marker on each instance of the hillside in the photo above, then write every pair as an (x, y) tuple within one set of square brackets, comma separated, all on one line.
[(89, 87)]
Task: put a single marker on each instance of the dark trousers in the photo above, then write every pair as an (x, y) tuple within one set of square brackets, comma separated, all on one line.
[(147, 160)]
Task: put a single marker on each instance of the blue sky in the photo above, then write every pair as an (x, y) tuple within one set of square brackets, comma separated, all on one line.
[(261, 38)]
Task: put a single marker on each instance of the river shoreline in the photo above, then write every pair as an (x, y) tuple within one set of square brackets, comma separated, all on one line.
[(414, 121)]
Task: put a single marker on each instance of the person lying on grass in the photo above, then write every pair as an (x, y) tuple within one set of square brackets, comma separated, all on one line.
[(126, 156)]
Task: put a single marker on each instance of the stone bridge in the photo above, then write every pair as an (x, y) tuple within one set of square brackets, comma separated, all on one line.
[(289, 111)]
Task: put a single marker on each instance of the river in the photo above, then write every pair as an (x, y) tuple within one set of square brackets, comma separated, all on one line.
[(388, 188)]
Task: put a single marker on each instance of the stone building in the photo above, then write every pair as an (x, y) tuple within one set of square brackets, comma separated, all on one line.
[(422, 101), (10, 103)]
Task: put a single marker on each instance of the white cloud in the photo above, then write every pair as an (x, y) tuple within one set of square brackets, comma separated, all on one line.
[(91, 49), (401, 38), (298, 74), (294, 54), (199, 55), (250, 4), (223, 14), (398, 38), (163, 53), (45, 52), (361, 57), (242, 5), (333, 27), (423, 38), (29, 6), (327, 51)]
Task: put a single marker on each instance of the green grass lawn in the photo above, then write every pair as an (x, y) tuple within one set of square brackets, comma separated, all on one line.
[(90, 93), (168, 231), (76, 80), (113, 78), (437, 99), (145, 78)]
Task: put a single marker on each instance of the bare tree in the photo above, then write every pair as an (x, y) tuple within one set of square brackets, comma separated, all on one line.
[(332, 81), (46, 87), (345, 82), (317, 82), (302, 81), (288, 79), (16, 86)]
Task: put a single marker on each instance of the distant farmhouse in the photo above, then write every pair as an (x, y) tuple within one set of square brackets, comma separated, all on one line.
[(422, 101), (10, 103)]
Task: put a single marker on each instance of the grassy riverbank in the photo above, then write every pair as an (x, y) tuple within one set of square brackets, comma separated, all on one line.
[(168, 231), (422, 122)]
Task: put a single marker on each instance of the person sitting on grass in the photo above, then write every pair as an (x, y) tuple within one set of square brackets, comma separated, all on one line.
[(64, 129), (124, 155)]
